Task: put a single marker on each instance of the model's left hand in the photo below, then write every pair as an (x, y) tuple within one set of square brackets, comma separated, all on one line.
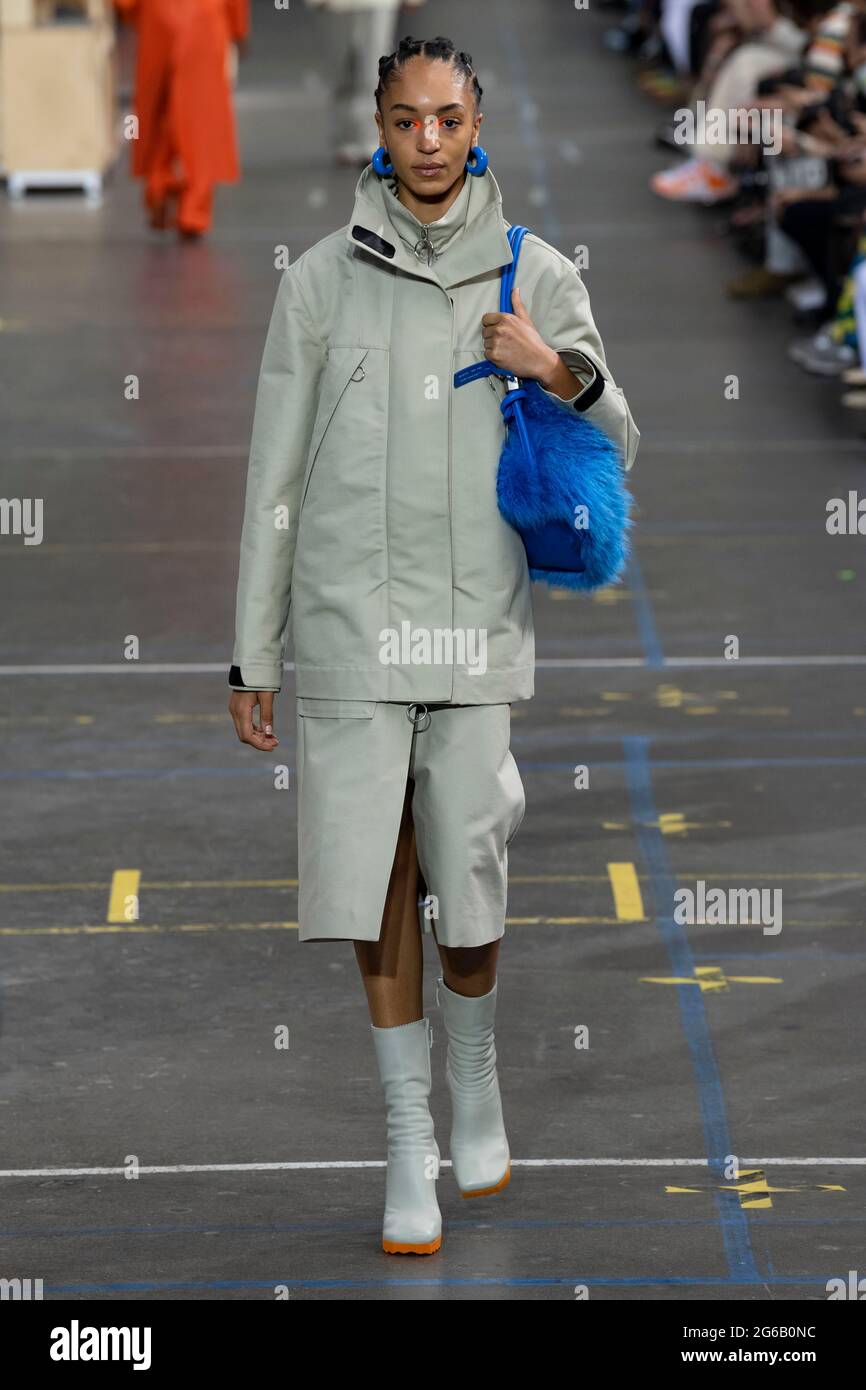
[(512, 341)]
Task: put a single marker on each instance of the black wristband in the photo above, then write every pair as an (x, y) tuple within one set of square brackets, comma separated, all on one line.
[(590, 394)]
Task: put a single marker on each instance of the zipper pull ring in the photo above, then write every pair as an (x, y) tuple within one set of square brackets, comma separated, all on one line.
[(423, 246)]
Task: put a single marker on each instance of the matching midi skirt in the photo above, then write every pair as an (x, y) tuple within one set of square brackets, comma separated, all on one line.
[(354, 760)]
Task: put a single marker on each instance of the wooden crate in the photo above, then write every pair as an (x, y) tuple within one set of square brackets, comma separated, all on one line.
[(90, 9), (57, 105), (21, 13)]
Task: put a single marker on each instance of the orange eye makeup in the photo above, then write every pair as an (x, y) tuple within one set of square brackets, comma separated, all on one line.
[(430, 123)]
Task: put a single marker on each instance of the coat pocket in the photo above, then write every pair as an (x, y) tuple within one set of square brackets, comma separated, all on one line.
[(313, 707), (342, 366)]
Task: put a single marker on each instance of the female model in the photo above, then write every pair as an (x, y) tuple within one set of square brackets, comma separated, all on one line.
[(371, 519)]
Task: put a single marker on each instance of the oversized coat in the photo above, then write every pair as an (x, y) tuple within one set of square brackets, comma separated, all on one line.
[(371, 492)]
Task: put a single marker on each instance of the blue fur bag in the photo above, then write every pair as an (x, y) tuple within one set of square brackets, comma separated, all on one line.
[(560, 482)]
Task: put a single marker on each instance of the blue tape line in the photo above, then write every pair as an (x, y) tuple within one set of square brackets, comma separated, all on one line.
[(643, 613), (733, 1219), (317, 1226), (711, 1281)]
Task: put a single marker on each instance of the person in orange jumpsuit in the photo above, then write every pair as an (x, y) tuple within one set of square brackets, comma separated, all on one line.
[(186, 131)]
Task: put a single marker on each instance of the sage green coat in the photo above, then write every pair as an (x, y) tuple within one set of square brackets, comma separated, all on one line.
[(371, 492)]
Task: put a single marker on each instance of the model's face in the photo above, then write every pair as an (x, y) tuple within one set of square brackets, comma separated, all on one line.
[(428, 124)]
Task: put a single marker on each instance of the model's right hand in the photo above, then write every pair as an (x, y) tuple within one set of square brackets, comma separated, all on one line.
[(241, 706)]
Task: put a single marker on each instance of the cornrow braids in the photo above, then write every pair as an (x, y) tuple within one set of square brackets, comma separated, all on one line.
[(440, 48)]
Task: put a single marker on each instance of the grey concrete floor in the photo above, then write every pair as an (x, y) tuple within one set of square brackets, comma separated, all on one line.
[(155, 1039)]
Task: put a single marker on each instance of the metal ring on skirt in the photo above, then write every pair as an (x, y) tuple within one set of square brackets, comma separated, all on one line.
[(414, 718)]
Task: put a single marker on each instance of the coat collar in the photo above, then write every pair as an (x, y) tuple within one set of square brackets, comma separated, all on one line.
[(469, 240)]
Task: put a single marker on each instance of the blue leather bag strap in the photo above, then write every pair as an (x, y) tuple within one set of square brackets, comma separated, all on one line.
[(510, 403), (506, 285), (515, 241)]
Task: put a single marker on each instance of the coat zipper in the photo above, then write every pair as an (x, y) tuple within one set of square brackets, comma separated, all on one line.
[(450, 458), (424, 246)]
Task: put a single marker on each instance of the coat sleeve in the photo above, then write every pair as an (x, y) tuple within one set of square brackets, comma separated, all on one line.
[(286, 404), (561, 312)]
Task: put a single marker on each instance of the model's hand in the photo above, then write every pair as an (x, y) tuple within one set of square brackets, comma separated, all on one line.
[(512, 341), (241, 706)]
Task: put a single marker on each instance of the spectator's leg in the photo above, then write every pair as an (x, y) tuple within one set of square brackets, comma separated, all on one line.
[(735, 86), (859, 287), (784, 255), (809, 224), (373, 35), (675, 28)]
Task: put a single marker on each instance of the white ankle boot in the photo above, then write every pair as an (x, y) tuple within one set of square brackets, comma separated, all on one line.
[(479, 1145), (413, 1224)]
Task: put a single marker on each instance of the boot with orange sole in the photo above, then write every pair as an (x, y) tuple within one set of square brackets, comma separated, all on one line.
[(479, 1146), (413, 1224)]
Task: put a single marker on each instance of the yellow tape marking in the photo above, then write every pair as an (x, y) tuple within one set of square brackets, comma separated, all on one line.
[(627, 898), (124, 885), (753, 1189), (608, 596), (709, 977)]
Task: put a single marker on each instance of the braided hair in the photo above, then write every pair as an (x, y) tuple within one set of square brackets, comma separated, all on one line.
[(440, 47)]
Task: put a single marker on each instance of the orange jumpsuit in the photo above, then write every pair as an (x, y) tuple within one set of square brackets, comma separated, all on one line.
[(186, 130)]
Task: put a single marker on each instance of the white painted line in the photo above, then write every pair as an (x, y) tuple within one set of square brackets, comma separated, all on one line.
[(763, 446), (241, 450), (550, 663), (382, 1163), (31, 452), (605, 662), (124, 668), (569, 662), (855, 659)]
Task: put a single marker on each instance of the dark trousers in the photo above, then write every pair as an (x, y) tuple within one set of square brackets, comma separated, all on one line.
[(813, 225)]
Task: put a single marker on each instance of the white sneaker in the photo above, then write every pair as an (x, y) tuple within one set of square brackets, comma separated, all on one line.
[(821, 355), (806, 295), (695, 181)]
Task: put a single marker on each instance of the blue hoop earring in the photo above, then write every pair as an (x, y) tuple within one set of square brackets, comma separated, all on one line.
[(478, 161), (381, 164)]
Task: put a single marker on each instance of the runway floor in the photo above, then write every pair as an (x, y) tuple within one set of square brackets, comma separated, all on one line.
[(151, 1043)]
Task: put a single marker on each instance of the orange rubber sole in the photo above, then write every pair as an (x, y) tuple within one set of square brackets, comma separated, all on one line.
[(488, 1191), (396, 1247)]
